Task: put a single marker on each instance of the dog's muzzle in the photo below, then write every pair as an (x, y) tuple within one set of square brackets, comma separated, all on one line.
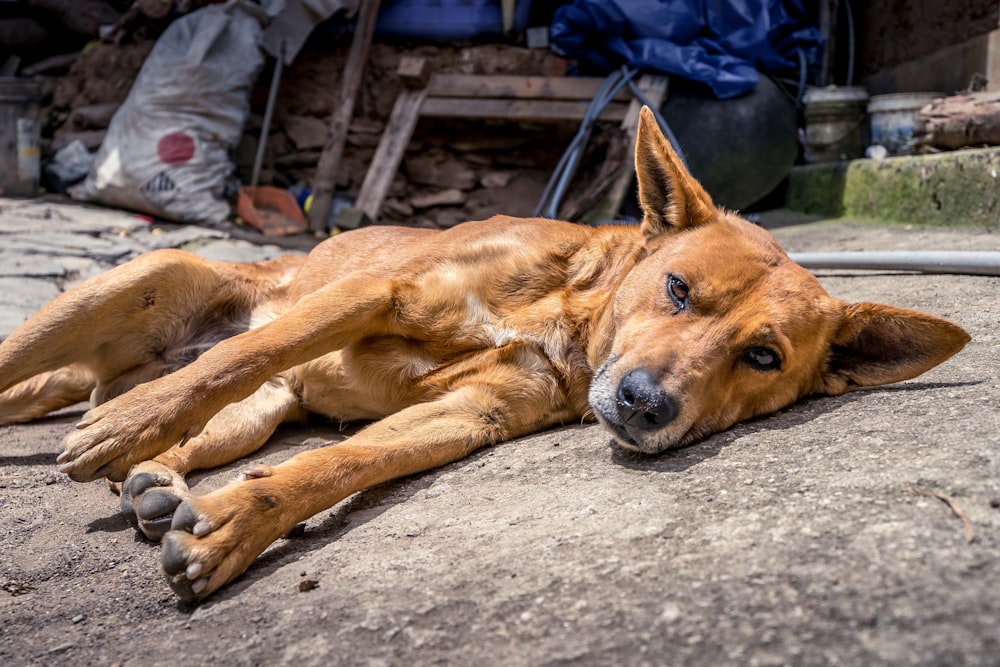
[(642, 403), (634, 409)]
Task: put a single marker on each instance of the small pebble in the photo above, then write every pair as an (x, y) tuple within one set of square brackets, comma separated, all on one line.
[(78, 618), (307, 585)]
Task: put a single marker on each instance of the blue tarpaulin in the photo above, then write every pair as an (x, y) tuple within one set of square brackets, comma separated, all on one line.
[(721, 43)]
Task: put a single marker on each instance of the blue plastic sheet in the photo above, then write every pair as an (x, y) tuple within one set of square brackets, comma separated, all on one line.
[(721, 43)]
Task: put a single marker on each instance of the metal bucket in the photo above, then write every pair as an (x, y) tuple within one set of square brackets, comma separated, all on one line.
[(19, 136)]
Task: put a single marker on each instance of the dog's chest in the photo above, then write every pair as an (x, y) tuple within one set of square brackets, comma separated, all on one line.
[(380, 375)]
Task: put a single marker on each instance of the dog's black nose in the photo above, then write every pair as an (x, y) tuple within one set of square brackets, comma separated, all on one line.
[(643, 403)]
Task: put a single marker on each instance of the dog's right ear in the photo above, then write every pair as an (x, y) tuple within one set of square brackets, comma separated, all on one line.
[(670, 197), (877, 344)]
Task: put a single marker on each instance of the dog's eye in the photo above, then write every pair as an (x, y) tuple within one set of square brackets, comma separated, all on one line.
[(678, 291), (763, 359)]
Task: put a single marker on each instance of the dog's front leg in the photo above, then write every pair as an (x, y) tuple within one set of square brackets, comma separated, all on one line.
[(215, 537), (156, 487), (156, 415)]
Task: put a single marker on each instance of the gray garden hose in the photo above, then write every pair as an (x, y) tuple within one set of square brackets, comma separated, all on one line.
[(978, 263)]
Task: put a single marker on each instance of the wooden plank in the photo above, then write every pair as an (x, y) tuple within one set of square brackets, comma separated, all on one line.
[(992, 59), (515, 98), (521, 87), (413, 71), (515, 109), (405, 113), (333, 150)]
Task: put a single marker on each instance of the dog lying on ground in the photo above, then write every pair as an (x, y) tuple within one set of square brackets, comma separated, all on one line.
[(449, 341)]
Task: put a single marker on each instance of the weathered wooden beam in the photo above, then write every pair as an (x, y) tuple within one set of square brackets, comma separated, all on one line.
[(405, 113), (350, 83), (499, 97), (522, 87), (960, 121), (413, 71), (516, 109)]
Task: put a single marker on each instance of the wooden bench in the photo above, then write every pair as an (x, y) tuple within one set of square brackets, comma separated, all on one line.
[(506, 97)]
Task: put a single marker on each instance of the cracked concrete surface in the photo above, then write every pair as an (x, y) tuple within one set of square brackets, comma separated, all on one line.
[(803, 538)]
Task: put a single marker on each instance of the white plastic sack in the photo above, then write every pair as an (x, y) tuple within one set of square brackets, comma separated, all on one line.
[(166, 152)]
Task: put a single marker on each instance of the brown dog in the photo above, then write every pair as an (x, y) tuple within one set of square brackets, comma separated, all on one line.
[(451, 340)]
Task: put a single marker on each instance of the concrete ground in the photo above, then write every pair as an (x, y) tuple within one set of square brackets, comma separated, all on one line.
[(863, 529)]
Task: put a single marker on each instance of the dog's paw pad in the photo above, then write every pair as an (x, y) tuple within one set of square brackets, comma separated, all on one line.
[(184, 572), (215, 537), (185, 517), (150, 496), (174, 558)]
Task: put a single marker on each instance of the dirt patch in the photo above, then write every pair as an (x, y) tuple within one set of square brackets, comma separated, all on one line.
[(102, 74)]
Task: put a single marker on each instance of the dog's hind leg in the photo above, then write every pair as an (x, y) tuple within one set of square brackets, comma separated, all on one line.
[(154, 416), (154, 488), (126, 326), (109, 323), (40, 395)]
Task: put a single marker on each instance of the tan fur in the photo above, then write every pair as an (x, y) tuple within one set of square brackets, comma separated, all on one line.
[(449, 340)]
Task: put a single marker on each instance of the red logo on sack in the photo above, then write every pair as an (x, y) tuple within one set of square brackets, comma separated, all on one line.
[(176, 148)]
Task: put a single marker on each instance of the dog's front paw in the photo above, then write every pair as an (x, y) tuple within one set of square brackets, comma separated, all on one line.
[(150, 496), (214, 538), (129, 429)]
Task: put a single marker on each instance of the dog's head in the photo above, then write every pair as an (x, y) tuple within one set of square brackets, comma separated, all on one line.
[(715, 324)]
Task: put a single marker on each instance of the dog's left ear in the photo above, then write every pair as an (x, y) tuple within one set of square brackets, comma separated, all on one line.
[(670, 197), (878, 344)]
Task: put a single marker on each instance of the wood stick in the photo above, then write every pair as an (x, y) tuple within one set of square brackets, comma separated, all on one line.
[(960, 121), (390, 151), (970, 535), (333, 150)]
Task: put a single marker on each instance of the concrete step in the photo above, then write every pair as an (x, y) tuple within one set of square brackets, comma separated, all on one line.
[(957, 188)]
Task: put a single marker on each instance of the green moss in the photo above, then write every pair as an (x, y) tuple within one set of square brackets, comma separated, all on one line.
[(817, 189), (959, 188)]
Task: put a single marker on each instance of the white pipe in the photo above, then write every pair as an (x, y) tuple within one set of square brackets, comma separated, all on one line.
[(979, 263)]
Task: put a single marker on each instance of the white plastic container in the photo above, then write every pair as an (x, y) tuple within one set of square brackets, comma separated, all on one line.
[(892, 119)]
